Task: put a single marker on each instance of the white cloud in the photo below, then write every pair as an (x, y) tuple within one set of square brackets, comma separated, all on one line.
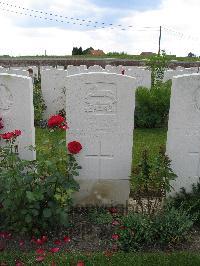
[(22, 35)]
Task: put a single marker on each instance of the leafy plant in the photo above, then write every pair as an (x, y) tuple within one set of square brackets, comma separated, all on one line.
[(135, 232), (166, 228), (100, 216), (151, 180), (37, 196), (188, 201), (38, 102), (157, 64), (172, 226), (152, 106)]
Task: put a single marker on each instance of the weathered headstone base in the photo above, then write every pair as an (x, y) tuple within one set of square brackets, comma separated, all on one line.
[(102, 193)]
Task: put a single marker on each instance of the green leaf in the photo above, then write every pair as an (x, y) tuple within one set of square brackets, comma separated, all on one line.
[(35, 212), (47, 213), (28, 219), (30, 195)]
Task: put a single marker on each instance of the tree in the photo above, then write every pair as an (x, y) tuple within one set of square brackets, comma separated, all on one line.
[(191, 55), (80, 51), (87, 51), (75, 51), (157, 64)]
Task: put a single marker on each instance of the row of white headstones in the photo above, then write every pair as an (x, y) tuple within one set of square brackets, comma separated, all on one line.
[(100, 114), (53, 79)]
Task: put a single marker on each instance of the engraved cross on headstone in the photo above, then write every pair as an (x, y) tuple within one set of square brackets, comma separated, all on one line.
[(100, 156)]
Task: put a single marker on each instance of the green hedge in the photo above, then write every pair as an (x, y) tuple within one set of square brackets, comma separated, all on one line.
[(152, 106)]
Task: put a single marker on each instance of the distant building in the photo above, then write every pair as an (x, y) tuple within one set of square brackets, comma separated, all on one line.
[(97, 52), (147, 53)]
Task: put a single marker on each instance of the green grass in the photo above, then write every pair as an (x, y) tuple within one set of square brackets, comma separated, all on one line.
[(99, 259), (151, 139)]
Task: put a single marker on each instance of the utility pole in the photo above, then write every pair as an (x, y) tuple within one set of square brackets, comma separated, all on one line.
[(160, 35)]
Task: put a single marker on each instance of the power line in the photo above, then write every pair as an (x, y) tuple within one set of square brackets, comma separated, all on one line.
[(180, 34), (66, 22), (88, 22)]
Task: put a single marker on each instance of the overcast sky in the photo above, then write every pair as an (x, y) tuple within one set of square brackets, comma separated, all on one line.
[(25, 35)]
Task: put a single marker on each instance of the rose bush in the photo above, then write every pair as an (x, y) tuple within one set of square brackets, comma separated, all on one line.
[(37, 196)]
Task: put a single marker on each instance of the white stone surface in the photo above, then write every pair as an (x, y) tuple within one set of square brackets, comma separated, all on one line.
[(96, 68), (170, 73), (100, 114), (53, 90), (73, 70), (114, 69), (143, 76), (16, 109), (83, 69), (183, 144), (3, 70), (18, 71)]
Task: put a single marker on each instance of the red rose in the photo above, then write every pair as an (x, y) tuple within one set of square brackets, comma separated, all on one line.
[(17, 132), (7, 136), (10, 135), (55, 120), (74, 147)]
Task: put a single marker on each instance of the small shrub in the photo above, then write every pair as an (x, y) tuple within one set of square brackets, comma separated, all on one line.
[(100, 216), (39, 104), (152, 106), (167, 228), (136, 232), (151, 181), (172, 226), (189, 201)]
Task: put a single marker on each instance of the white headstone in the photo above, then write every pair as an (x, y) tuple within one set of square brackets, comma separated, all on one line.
[(111, 69), (83, 69), (96, 68), (183, 144), (18, 71), (73, 70), (16, 109), (100, 114), (143, 76), (170, 73), (53, 90)]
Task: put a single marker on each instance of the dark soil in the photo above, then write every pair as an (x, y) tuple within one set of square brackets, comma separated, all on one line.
[(87, 236)]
